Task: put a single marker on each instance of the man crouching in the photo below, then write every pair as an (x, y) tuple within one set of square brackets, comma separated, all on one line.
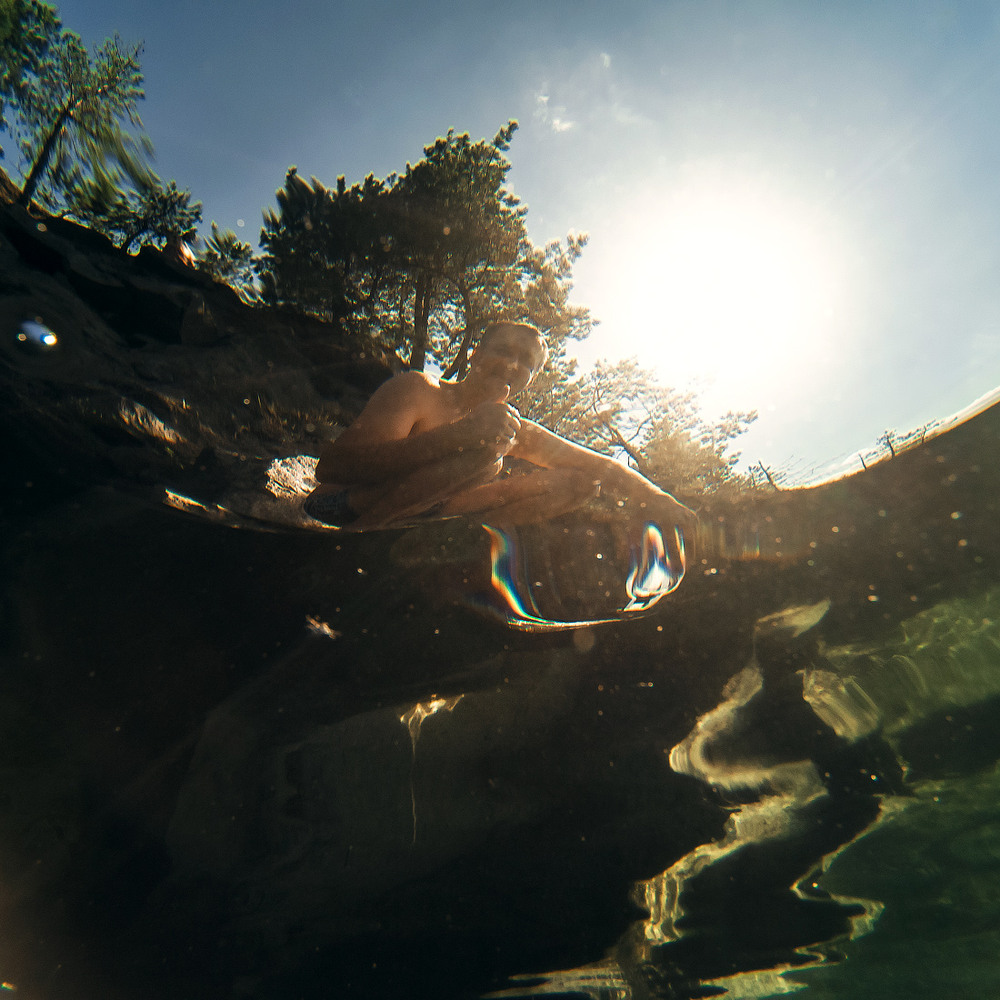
[(423, 449)]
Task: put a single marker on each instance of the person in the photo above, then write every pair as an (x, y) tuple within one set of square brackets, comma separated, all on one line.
[(427, 449)]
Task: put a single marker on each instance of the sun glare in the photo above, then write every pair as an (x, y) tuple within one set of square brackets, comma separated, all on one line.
[(729, 287)]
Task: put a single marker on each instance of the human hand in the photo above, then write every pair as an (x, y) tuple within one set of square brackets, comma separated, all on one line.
[(666, 513), (494, 426)]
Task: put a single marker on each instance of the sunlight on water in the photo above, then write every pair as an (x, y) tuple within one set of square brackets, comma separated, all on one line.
[(651, 575), (191, 506)]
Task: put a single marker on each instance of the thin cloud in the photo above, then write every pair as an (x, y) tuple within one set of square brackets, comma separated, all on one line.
[(597, 93), (553, 117)]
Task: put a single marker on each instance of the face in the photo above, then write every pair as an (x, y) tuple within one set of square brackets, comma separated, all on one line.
[(508, 358)]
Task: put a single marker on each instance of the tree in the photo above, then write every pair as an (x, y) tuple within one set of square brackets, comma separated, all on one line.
[(422, 261), (72, 112), (536, 290), (151, 213), (26, 29), (621, 410), (326, 252), (227, 258), (688, 454), (460, 234)]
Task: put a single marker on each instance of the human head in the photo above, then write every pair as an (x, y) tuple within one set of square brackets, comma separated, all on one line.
[(520, 334)]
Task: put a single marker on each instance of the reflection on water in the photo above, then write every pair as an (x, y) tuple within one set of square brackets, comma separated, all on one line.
[(938, 661), (413, 719), (651, 575), (535, 580)]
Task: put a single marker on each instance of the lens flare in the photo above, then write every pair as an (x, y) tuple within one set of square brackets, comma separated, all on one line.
[(34, 335), (651, 575)]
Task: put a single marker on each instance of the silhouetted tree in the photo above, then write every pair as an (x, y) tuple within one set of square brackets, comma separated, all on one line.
[(227, 258), (326, 252), (422, 261), (460, 234), (26, 29), (152, 213), (72, 114)]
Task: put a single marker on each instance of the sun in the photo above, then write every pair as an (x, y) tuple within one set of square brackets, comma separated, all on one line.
[(734, 287)]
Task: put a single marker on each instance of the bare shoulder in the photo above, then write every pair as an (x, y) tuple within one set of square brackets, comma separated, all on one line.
[(408, 391), (395, 407), (405, 384)]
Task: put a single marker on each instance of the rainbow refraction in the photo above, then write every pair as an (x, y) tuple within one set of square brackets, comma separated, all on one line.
[(651, 575)]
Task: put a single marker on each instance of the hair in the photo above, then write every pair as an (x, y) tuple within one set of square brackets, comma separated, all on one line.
[(525, 330)]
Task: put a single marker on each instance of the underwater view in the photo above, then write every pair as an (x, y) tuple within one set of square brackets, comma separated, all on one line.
[(360, 637), (248, 755)]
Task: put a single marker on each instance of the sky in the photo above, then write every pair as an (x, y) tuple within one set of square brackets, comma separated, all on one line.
[(792, 206)]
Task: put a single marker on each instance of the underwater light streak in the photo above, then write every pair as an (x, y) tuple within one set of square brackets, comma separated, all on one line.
[(413, 720)]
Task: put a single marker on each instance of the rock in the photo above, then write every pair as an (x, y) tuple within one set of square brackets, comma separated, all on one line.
[(143, 331)]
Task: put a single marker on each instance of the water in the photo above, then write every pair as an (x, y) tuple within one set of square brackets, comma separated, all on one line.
[(243, 757)]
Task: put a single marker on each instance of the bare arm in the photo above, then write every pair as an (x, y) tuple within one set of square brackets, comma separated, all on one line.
[(540, 446)]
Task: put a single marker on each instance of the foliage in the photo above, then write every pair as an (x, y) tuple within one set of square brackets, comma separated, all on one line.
[(152, 212), (326, 252), (84, 153), (227, 258), (620, 410), (26, 29), (460, 237), (72, 111), (423, 261)]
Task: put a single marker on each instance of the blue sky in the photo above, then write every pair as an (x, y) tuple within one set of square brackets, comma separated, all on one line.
[(792, 204)]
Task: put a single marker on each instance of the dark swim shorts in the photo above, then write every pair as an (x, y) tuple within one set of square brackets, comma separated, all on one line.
[(331, 508)]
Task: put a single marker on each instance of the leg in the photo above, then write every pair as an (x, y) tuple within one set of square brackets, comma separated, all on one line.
[(383, 506)]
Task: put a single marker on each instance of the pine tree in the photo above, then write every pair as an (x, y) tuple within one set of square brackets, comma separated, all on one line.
[(73, 111)]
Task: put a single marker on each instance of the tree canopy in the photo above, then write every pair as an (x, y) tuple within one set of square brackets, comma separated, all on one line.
[(72, 116), (83, 150), (620, 409), (26, 28), (423, 260), (228, 258), (152, 212)]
